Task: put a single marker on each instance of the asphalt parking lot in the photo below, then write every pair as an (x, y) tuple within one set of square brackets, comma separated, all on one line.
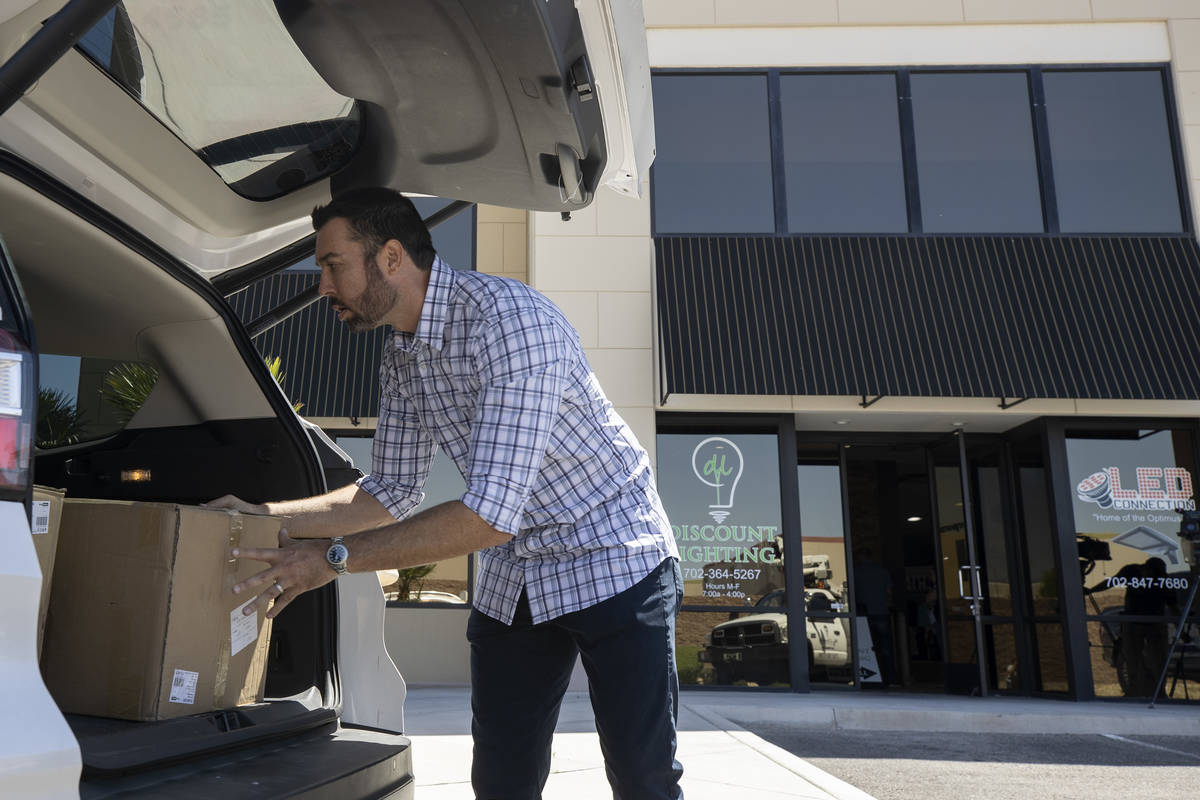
[(905, 765)]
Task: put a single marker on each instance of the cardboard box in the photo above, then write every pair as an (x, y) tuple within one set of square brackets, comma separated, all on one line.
[(143, 623), (47, 511)]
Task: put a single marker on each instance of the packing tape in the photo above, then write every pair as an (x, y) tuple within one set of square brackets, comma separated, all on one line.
[(222, 676), (234, 540), (221, 679)]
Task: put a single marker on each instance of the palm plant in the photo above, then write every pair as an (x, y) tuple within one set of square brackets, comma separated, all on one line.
[(275, 367), (126, 387), (412, 580), (59, 420)]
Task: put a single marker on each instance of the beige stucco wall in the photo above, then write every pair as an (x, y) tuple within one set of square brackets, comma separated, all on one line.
[(502, 242)]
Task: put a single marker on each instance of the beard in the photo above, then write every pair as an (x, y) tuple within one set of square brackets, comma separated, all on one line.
[(367, 310)]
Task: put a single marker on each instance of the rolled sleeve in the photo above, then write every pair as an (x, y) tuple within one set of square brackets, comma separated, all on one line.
[(400, 458), (509, 440), (399, 500)]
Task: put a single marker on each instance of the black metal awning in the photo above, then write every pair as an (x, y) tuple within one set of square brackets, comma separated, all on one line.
[(333, 372), (932, 316)]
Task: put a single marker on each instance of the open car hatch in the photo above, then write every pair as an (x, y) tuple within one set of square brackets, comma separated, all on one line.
[(226, 121)]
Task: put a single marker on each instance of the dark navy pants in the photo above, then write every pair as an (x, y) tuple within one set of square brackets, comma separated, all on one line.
[(519, 673)]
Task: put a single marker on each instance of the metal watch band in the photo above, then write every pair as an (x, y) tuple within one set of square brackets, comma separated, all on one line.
[(338, 566)]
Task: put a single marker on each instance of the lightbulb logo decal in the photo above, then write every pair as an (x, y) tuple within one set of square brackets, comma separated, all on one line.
[(1158, 489), (718, 463)]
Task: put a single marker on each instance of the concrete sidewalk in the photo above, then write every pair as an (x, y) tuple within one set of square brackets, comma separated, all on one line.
[(719, 756)]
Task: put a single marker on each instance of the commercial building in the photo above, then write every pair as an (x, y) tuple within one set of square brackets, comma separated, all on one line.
[(907, 316)]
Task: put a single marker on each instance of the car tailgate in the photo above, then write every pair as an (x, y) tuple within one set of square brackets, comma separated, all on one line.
[(332, 762)]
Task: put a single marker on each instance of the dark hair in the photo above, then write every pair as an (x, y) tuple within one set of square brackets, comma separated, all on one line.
[(377, 214)]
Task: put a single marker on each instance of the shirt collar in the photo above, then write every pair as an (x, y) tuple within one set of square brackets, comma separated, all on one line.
[(432, 323)]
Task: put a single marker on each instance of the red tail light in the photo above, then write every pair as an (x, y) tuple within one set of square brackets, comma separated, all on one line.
[(17, 410)]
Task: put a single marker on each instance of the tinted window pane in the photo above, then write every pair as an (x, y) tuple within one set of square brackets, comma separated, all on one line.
[(975, 153), (841, 137), (1113, 168), (454, 239), (825, 588), (444, 582), (81, 398), (722, 495), (712, 172), (1134, 563), (1126, 528), (229, 81), (1051, 659)]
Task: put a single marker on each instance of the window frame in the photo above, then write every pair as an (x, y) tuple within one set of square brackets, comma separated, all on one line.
[(903, 74)]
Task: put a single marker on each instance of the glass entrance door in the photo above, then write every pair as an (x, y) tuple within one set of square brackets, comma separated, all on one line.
[(927, 600), (961, 586), (975, 591)]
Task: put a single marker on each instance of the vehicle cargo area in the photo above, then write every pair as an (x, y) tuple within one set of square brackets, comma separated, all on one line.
[(151, 403)]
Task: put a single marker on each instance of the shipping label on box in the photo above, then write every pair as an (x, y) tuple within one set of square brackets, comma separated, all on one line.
[(44, 522)]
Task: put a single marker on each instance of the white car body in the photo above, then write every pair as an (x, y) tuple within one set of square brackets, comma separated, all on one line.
[(39, 754)]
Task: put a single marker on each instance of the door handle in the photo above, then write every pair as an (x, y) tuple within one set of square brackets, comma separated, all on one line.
[(962, 589)]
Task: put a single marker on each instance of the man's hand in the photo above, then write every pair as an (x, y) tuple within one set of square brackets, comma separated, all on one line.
[(297, 566), (234, 503)]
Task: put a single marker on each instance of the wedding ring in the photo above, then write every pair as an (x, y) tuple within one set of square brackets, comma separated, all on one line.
[(278, 588)]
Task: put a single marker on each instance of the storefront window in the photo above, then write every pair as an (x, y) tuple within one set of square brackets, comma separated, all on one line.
[(1135, 567), (722, 494), (826, 589), (444, 582), (1001, 643), (1037, 534)]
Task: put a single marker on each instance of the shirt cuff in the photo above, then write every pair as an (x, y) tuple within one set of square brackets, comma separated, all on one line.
[(398, 500), (499, 503)]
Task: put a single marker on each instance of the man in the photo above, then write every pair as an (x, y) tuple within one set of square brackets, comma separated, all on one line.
[(1142, 645), (576, 552)]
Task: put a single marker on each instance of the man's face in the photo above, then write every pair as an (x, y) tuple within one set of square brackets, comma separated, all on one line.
[(353, 282)]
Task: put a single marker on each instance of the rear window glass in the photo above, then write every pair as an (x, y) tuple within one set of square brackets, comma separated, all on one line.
[(83, 399), (227, 79)]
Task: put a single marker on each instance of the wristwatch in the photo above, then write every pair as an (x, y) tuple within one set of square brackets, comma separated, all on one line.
[(336, 555)]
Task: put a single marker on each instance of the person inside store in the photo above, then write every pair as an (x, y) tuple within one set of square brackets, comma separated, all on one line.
[(576, 554), (1142, 645)]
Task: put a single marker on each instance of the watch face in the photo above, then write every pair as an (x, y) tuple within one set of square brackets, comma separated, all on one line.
[(337, 554)]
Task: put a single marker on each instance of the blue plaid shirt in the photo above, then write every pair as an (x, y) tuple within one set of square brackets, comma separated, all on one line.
[(496, 377)]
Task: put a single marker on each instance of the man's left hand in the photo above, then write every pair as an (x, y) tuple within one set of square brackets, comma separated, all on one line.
[(297, 566)]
